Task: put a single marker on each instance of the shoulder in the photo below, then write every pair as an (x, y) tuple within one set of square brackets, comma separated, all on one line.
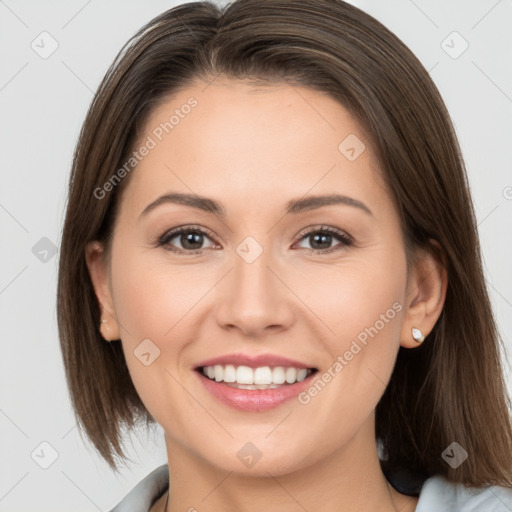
[(146, 492), (440, 495), (437, 494)]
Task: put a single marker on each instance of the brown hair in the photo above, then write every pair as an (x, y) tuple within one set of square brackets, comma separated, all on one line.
[(449, 389)]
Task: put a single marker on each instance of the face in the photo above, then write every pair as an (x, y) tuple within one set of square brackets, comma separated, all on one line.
[(324, 286)]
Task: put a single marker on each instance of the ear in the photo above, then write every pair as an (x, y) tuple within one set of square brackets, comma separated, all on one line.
[(426, 292), (95, 259)]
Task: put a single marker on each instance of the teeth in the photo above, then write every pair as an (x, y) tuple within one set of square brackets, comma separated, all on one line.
[(218, 371), (278, 375), (290, 375), (244, 375), (263, 375), (302, 374), (229, 373), (252, 378)]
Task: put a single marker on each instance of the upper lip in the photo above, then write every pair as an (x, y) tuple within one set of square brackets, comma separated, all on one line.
[(253, 361)]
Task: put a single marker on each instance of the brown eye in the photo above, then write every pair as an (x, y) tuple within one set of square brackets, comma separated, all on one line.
[(191, 239), (321, 239), (187, 239)]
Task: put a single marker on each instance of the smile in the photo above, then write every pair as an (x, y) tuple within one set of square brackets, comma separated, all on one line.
[(254, 389), (263, 377)]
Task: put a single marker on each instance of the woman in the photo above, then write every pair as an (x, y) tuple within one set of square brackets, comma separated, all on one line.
[(270, 250)]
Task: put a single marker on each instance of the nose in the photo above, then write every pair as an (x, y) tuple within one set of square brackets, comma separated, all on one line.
[(254, 297)]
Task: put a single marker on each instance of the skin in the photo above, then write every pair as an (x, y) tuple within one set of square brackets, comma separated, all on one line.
[(253, 150)]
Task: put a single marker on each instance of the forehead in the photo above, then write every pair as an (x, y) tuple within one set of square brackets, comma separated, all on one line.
[(239, 139), (230, 111)]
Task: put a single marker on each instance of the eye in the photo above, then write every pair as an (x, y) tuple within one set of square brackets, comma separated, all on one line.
[(322, 236), (191, 239)]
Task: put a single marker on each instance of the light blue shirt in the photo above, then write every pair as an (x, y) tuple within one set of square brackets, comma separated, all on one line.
[(436, 495)]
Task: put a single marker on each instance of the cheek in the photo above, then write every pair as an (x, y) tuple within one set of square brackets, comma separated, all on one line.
[(362, 304), (370, 306), (163, 302), (151, 303), (151, 298), (359, 299), (362, 307)]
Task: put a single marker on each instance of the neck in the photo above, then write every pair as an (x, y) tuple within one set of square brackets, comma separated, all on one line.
[(349, 480)]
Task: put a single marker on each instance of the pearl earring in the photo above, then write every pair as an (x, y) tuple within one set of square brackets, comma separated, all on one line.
[(106, 327), (417, 335)]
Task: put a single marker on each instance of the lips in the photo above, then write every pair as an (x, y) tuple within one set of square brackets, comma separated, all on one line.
[(235, 391), (254, 361)]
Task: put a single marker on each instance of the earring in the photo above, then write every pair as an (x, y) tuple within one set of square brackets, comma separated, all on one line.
[(417, 335), (106, 327)]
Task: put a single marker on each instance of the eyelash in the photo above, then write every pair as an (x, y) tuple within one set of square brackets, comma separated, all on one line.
[(162, 241)]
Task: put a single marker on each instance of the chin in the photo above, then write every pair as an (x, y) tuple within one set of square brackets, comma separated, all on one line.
[(260, 459)]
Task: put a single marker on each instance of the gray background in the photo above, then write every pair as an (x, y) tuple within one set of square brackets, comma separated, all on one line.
[(43, 102)]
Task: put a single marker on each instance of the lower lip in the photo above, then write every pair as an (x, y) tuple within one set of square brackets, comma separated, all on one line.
[(257, 400)]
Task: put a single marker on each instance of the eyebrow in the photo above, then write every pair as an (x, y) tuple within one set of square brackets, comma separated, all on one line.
[(294, 206)]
